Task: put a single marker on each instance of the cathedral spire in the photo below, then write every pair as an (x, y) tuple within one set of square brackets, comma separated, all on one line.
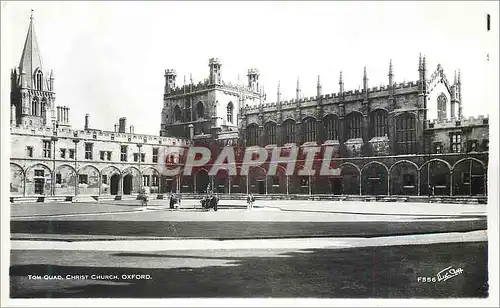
[(30, 58)]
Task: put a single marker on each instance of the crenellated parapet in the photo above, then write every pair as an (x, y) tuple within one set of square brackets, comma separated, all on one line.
[(464, 122)]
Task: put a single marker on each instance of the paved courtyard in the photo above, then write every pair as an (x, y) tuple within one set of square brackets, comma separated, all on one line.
[(279, 249)]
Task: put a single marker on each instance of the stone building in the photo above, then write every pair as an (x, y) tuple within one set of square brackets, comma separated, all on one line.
[(50, 158), (405, 138), (400, 139)]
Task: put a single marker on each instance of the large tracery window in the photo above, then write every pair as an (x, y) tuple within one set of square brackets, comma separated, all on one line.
[(441, 107), (252, 135), (230, 109), (406, 135), (379, 122), (288, 131), (270, 133), (310, 130), (331, 127), (354, 126)]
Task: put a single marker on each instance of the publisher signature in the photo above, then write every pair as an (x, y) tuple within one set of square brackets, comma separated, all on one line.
[(449, 273), (443, 275)]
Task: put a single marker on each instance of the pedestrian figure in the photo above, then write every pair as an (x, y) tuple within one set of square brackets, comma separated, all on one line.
[(172, 201), (249, 201), (252, 200)]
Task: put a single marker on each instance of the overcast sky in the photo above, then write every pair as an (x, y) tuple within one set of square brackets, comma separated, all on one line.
[(109, 57)]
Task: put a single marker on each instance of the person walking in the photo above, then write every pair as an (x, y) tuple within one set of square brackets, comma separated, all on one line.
[(249, 201), (252, 200)]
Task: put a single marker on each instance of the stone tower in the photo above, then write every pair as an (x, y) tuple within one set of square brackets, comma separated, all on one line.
[(32, 88), (214, 64)]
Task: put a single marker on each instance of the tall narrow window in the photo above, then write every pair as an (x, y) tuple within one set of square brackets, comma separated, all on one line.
[(270, 133), (34, 107), (89, 147), (379, 122), (155, 155), (39, 80), (143, 157), (187, 111), (289, 131), (441, 107), (354, 126), (200, 110), (63, 153), (331, 127), (456, 142), (109, 155), (46, 148), (71, 153), (252, 135), (177, 114), (405, 130), (310, 130), (230, 109), (123, 153), (29, 151)]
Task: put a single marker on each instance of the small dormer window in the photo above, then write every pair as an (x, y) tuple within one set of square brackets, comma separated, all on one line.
[(39, 80)]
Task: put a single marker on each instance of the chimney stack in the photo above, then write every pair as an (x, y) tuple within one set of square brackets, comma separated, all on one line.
[(131, 129), (122, 125), (116, 128), (87, 121)]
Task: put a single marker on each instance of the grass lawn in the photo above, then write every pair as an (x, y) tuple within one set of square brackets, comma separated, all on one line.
[(381, 272)]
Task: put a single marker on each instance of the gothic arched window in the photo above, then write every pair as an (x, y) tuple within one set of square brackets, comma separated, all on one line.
[(187, 111), (200, 110), (177, 114), (230, 109), (270, 133), (441, 107), (288, 131), (310, 130), (379, 123), (406, 136), (34, 106), (252, 134), (44, 111), (354, 125), (331, 127), (39, 80)]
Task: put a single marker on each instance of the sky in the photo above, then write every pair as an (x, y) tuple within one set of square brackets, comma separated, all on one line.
[(109, 57)]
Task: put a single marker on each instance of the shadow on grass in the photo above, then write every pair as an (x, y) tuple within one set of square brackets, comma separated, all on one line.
[(242, 229), (380, 272)]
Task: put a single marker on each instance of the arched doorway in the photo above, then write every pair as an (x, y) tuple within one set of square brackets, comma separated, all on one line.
[(468, 178), (374, 179), (435, 178), (350, 179), (16, 180), (127, 184), (114, 184), (404, 175)]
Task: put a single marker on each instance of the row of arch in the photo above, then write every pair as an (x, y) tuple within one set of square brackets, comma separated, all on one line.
[(353, 125), (435, 177)]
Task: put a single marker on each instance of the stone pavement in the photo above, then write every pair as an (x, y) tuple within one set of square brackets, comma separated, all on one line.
[(195, 244)]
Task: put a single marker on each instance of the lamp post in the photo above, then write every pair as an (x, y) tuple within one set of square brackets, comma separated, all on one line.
[(76, 141), (53, 190), (140, 173)]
